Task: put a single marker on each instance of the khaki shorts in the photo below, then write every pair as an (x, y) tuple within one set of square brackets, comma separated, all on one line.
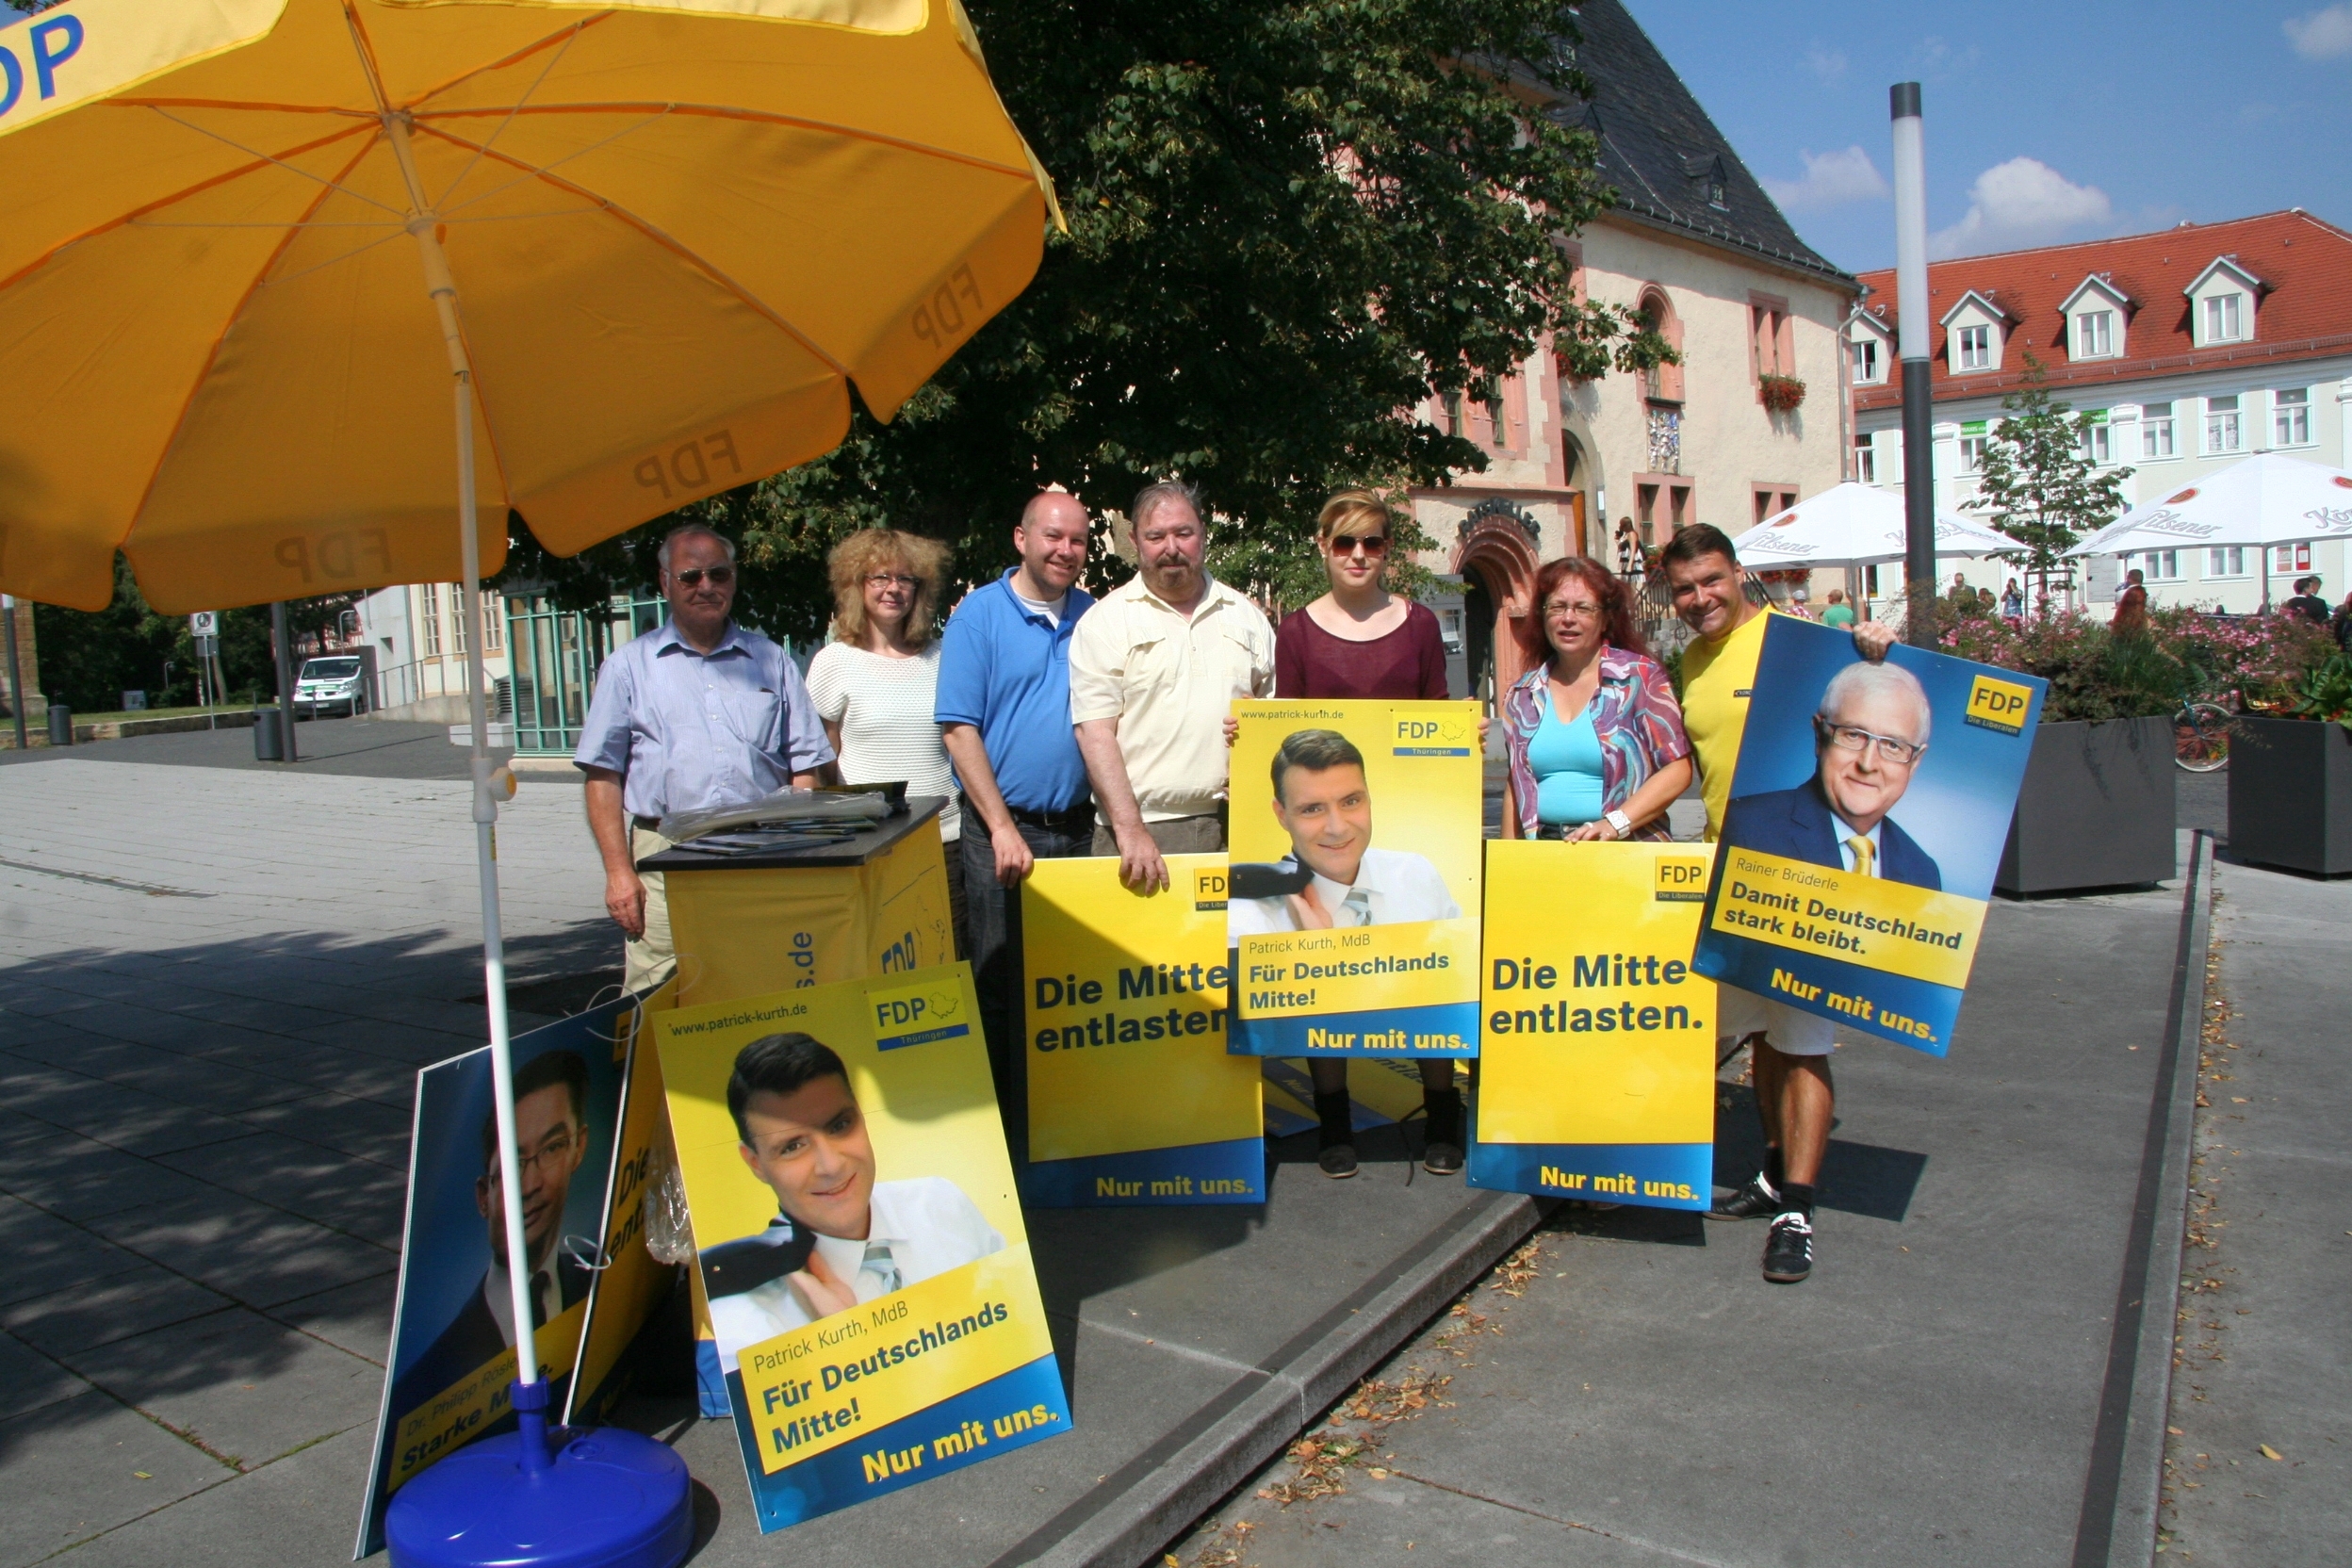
[(649, 959), (1202, 835), (1786, 1029)]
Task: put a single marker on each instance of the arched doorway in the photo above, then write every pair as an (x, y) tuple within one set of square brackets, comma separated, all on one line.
[(1495, 553)]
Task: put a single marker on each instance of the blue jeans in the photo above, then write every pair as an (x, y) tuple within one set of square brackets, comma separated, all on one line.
[(992, 942)]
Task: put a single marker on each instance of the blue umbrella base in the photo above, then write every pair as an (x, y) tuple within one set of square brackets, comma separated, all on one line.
[(608, 1498)]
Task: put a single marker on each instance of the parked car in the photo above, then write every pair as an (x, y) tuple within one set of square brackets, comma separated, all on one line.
[(335, 683)]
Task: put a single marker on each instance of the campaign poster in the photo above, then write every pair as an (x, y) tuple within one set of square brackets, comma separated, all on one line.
[(872, 1299), (633, 1283), (1133, 1098), (452, 1352), (1596, 1076), (1356, 844), (1866, 816)]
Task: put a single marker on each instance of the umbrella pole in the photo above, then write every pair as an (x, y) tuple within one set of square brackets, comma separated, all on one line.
[(442, 285)]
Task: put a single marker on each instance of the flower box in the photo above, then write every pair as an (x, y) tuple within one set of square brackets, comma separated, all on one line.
[(2291, 794), (2095, 810), (1781, 393)]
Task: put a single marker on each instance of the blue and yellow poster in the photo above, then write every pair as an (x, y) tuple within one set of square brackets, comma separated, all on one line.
[(1132, 1097), (452, 1352), (1356, 850), (1596, 1078), (871, 1299), (1866, 817)]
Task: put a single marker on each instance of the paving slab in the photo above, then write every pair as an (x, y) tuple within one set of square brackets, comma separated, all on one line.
[(29, 1380), (249, 1251), (82, 1467), (2265, 1316), (356, 1317), (300, 1509), (99, 1312)]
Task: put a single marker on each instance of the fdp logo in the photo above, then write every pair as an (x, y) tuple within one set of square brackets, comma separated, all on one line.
[(916, 1016), (1999, 705), (1432, 738), (1208, 889), (1679, 879)]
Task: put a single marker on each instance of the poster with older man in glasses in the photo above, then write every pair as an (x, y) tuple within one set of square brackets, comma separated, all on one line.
[(1868, 812)]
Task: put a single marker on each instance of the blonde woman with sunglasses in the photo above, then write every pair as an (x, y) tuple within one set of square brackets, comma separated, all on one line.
[(1362, 640)]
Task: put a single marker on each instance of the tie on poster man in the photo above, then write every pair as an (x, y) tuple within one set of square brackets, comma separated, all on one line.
[(1348, 942), (1868, 812), (1133, 1098), (874, 1304)]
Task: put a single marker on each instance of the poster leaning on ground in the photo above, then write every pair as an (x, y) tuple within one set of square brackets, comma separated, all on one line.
[(1866, 817), (1597, 1074), (1132, 1098), (1354, 893), (876, 1313), (452, 1352)]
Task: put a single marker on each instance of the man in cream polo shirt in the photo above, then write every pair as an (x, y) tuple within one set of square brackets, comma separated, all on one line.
[(1153, 672)]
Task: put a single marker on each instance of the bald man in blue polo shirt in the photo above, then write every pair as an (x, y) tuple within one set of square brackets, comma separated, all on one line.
[(1003, 711)]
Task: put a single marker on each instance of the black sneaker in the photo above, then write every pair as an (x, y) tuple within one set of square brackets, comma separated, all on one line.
[(1335, 1134), (1442, 1154), (1789, 1250), (1752, 1201), (1338, 1161)]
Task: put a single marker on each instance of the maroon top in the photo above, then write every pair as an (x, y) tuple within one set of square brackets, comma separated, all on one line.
[(1407, 664)]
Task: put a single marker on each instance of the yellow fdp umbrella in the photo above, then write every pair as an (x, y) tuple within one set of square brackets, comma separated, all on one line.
[(659, 238)]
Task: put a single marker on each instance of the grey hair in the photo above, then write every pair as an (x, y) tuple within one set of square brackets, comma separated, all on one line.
[(688, 530), (1860, 680), (1151, 497)]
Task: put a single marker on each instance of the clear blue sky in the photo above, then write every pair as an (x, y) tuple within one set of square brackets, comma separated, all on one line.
[(2051, 120)]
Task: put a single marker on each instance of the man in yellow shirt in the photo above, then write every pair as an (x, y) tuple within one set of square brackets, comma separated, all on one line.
[(1790, 1048)]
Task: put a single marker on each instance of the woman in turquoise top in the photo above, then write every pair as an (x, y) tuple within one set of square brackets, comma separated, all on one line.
[(1593, 730)]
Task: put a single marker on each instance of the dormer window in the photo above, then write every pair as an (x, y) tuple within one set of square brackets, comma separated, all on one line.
[(2224, 302), (1716, 197), (1973, 329), (1868, 368), (2098, 315), (1869, 350), (2094, 335), (2223, 313)]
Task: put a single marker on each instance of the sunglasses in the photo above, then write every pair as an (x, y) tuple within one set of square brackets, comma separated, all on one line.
[(692, 577), (1347, 544)]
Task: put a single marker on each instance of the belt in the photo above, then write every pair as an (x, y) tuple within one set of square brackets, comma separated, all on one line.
[(1556, 829), (1076, 818)]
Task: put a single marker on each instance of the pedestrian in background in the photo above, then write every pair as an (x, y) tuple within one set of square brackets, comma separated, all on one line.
[(696, 714), (2306, 602), (876, 684), (2341, 625), (2130, 618), (1592, 732), (1153, 673), (1359, 640), (1795, 1099), (1837, 612), (1003, 712), (2013, 602)]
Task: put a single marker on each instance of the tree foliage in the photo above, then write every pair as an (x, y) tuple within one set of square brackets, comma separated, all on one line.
[(1290, 222), (2039, 483), (89, 659)]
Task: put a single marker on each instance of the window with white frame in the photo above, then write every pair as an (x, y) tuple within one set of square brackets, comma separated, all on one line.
[(2225, 560), (2223, 314), (1973, 443), (1976, 348), (2224, 433), (457, 618), (2291, 416), (1865, 460), (2097, 445), (2156, 565), (2290, 558), (2156, 430), (1867, 363), (493, 623), (2094, 334), (429, 617)]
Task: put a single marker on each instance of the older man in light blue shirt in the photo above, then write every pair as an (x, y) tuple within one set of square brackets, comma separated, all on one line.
[(696, 713)]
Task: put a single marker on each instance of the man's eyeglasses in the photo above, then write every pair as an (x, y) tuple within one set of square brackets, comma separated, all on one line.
[(1347, 544), (692, 577), (894, 579), (1846, 737)]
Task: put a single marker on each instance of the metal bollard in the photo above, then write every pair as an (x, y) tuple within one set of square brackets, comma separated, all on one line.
[(269, 744), (60, 724)]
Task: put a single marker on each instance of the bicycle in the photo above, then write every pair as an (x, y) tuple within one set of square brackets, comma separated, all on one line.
[(2200, 736)]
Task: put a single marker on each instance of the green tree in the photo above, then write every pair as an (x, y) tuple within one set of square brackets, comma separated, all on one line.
[(2039, 483), (1290, 222)]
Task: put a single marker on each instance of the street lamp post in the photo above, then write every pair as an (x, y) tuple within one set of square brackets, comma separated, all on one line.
[(1911, 307)]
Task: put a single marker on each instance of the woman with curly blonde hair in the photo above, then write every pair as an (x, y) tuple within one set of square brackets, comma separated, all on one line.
[(874, 683)]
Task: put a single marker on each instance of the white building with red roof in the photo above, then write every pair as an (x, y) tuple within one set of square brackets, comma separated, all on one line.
[(2194, 347)]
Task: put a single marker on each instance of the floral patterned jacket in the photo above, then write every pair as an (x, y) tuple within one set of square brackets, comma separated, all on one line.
[(1634, 714)]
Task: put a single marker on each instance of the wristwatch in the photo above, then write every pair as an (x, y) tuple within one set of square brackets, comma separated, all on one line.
[(1617, 819)]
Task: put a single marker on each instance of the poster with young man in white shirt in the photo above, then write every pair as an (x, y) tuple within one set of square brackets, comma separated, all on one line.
[(1869, 808), (1344, 946), (874, 1308)]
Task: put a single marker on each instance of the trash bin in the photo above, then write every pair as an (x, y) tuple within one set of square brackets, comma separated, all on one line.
[(60, 724), (269, 742)]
